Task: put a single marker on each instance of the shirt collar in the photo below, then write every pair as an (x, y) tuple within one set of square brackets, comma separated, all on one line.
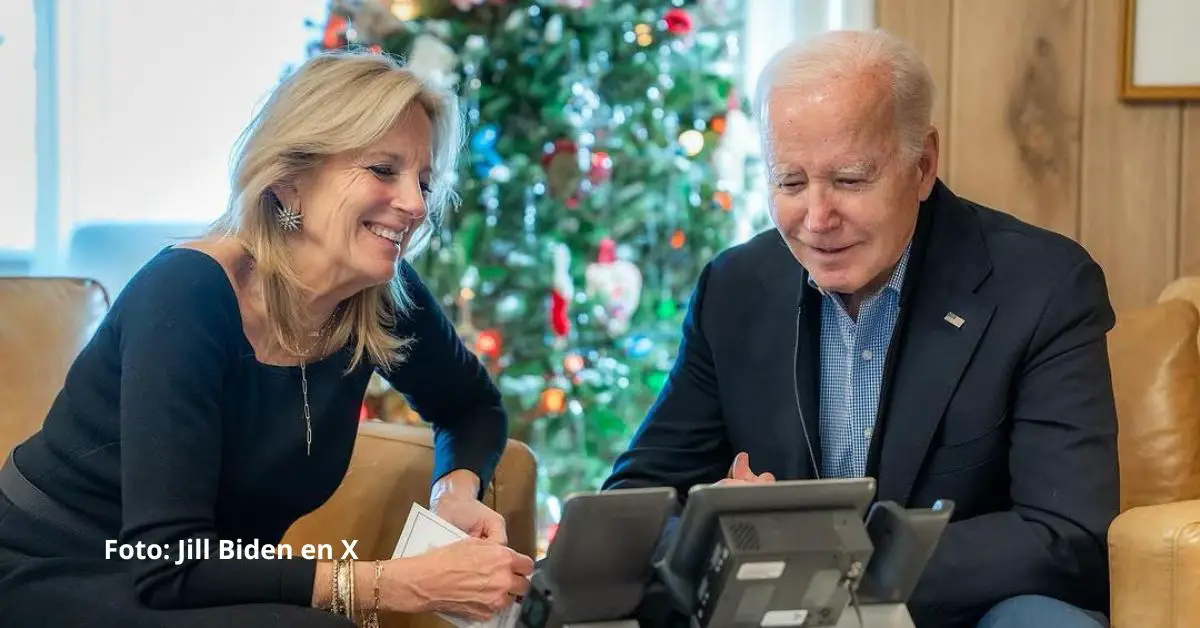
[(895, 282)]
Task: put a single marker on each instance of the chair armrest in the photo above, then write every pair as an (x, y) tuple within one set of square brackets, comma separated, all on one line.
[(1154, 566), (392, 467)]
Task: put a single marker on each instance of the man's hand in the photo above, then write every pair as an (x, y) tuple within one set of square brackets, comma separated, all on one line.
[(454, 499), (740, 473)]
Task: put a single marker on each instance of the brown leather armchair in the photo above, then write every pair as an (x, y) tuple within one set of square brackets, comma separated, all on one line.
[(1154, 544), (45, 323)]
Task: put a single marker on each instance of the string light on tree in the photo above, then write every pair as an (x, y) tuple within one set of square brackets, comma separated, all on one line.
[(553, 400), (404, 9), (644, 36), (724, 200), (692, 142), (573, 363), (678, 239), (488, 343)]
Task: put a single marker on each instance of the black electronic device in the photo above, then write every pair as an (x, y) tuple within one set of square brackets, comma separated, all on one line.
[(904, 539), (776, 554), (600, 561)]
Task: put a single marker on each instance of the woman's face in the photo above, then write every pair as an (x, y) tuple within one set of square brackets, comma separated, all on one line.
[(359, 210)]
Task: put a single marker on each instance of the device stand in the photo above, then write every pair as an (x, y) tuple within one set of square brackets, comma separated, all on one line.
[(877, 616)]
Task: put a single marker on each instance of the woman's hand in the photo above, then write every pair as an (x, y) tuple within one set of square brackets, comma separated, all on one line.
[(454, 499), (471, 578), (471, 516)]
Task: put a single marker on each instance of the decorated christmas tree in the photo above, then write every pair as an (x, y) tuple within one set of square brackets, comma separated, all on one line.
[(606, 163)]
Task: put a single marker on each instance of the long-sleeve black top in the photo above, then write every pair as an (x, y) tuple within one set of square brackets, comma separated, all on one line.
[(168, 428)]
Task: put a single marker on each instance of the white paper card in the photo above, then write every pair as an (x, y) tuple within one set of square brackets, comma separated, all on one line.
[(425, 531)]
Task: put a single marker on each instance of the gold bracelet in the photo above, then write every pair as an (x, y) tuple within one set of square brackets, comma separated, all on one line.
[(335, 598), (353, 605), (344, 590), (372, 620)]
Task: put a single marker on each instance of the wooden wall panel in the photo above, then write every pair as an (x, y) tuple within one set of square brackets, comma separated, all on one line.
[(1015, 107), (1189, 218), (926, 24), (1130, 183), (1033, 125)]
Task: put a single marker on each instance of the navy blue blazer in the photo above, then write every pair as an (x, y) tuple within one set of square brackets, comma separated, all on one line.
[(1011, 414)]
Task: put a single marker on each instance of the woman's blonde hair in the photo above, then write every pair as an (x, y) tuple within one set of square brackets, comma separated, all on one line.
[(334, 103)]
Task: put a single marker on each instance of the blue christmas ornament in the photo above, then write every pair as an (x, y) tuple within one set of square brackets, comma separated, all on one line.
[(484, 139), (638, 346), (484, 162), (483, 150)]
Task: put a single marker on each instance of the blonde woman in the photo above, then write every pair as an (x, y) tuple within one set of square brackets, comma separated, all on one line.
[(219, 398)]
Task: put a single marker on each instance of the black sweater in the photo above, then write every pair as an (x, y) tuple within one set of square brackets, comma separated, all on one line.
[(168, 428)]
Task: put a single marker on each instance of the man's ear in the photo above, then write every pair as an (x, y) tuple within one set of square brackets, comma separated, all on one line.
[(927, 163)]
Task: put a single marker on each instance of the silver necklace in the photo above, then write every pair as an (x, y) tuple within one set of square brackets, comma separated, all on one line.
[(307, 413), (319, 334)]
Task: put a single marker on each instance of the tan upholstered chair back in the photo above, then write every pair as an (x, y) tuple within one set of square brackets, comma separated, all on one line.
[(1156, 379), (44, 324)]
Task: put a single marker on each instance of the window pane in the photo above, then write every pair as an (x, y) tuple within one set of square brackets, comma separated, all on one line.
[(18, 163), (159, 92)]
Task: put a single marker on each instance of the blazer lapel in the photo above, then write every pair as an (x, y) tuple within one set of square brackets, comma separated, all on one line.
[(935, 339), (795, 352)]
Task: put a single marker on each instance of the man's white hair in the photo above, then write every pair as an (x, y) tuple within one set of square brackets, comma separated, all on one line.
[(838, 54)]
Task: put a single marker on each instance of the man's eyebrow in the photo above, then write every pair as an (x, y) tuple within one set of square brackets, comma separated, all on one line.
[(861, 168), (782, 169)]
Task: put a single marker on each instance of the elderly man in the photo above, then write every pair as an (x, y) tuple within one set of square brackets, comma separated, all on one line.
[(888, 328)]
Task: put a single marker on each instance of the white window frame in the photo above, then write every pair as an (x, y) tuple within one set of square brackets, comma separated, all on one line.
[(47, 232)]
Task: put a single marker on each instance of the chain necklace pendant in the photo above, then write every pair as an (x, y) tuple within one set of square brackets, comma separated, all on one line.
[(307, 413)]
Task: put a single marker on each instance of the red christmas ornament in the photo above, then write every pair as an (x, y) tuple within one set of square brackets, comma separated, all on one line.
[(562, 288), (602, 167), (563, 174), (679, 22), (334, 36), (561, 146), (560, 324), (607, 251)]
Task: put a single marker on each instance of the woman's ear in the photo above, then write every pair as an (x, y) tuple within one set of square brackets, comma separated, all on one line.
[(287, 196)]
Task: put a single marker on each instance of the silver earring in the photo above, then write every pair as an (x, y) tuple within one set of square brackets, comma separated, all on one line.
[(289, 220)]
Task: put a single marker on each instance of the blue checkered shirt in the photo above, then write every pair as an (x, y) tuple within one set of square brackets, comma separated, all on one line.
[(852, 358)]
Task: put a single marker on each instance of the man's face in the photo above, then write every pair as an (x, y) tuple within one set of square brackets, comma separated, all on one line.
[(842, 194)]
